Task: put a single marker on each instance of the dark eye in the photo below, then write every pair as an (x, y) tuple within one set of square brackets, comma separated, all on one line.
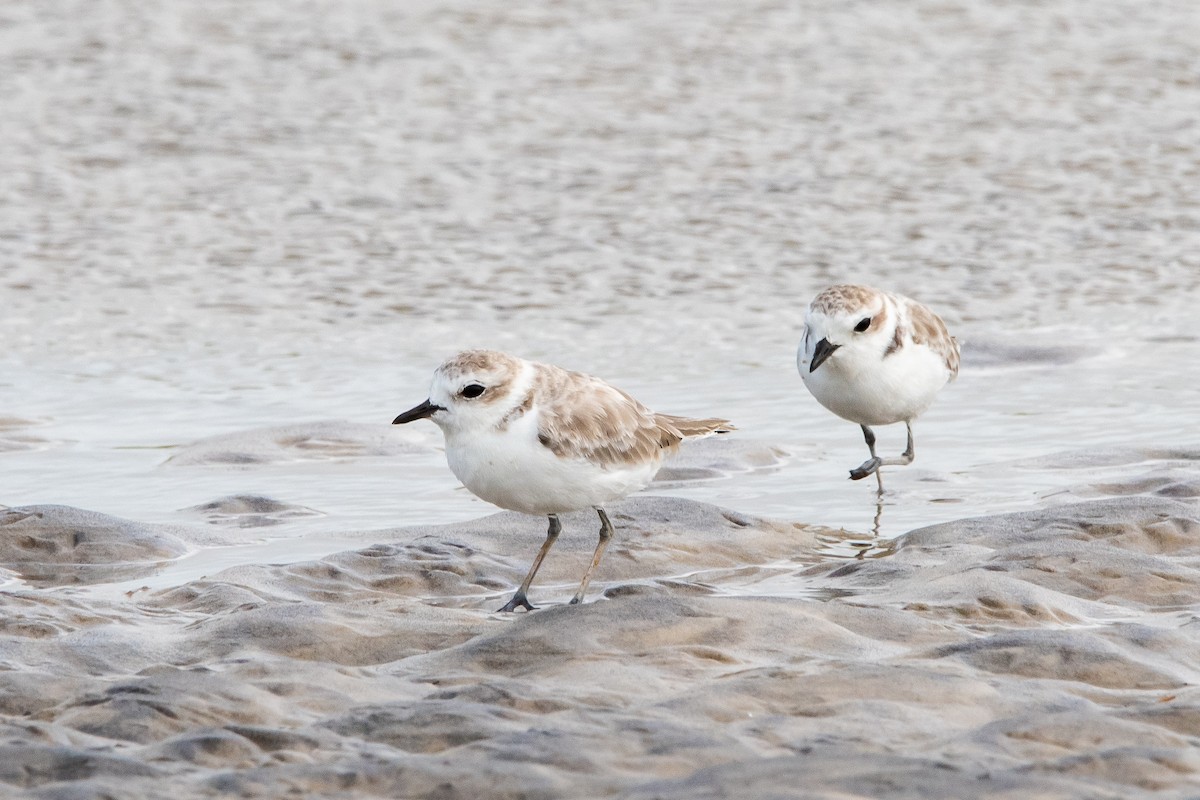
[(474, 390), (863, 324)]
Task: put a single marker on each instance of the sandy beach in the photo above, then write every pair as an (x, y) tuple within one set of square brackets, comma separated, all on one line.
[(236, 239), (1040, 654)]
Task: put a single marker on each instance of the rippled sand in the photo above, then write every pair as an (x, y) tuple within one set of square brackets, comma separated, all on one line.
[(1049, 654), (235, 238)]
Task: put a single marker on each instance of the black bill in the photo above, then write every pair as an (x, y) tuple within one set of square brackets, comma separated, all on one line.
[(822, 351), (423, 411)]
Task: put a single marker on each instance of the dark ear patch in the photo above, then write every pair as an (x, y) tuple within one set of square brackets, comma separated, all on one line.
[(896, 343)]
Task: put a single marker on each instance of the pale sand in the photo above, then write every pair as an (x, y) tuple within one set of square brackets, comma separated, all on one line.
[(1045, 654)]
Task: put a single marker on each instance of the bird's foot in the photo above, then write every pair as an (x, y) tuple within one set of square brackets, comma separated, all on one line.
[(518, 601), (866, 468), (576, 600)]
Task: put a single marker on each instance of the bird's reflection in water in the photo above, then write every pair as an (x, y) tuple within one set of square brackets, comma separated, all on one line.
[(844, 543)]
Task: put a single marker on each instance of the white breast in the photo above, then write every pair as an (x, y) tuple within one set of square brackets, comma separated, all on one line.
[(862, 387), (510, 468)]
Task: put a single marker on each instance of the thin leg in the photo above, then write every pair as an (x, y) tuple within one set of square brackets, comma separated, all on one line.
[(606, 532), (870, 465), (875, 462), (907, 456), (519, 600)]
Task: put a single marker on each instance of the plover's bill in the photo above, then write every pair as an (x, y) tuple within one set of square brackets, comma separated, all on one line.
[(875, 358), (543, 440)]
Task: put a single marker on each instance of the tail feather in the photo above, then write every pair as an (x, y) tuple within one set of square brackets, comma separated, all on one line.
[(689, 428)]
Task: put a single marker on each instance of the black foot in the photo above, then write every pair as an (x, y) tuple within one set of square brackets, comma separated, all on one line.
[(866, 468), (518, 601), (576, 600)]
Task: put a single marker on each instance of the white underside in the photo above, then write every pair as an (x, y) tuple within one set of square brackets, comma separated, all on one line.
[(862, 388), (513, 470)]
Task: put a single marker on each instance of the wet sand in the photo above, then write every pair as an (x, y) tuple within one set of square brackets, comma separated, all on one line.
[(1044, 654), (235, 239)]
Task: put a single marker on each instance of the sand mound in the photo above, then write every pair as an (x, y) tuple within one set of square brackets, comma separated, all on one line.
[(62, 545), (315, 441), (964, 664), (249, 511), (718, 457)]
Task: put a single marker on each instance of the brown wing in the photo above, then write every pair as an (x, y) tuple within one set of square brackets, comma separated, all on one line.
[(929, 330), (583, 417), (687, 427)]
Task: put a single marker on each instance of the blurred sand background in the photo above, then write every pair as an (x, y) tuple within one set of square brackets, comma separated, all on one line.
[(236, 238)]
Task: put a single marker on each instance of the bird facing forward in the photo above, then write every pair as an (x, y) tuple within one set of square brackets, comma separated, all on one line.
[(875, 358)]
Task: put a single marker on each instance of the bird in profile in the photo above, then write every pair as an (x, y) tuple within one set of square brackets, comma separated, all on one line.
[(543, 440), (875, 358)]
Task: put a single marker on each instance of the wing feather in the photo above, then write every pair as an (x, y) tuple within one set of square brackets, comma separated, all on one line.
[(583, 417), (928, 329)]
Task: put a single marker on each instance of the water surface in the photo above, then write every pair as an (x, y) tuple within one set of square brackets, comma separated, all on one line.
[(209, 228)]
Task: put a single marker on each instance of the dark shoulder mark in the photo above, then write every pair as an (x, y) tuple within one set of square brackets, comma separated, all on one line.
[(896, 343)]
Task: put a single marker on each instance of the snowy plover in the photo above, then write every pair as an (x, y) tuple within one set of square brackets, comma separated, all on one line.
[(875, 358), (542, 440)]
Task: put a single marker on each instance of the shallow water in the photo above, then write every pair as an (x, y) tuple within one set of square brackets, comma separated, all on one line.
[(977, 448), (296, 218)]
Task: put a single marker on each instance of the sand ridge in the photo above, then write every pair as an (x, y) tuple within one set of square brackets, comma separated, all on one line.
[(971, 662)]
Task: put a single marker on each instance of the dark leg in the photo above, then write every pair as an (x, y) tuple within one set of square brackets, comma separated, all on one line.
[(606, 532), (519, 600), (907, 456), (870, 465), (873, 465)]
